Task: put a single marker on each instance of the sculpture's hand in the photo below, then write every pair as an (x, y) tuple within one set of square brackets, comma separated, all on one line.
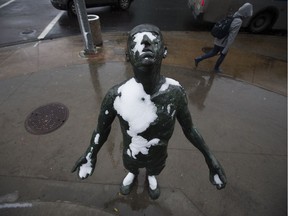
[(217, 175), (85, 166)]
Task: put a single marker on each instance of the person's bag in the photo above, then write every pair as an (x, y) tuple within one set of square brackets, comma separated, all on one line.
[(221, 28)]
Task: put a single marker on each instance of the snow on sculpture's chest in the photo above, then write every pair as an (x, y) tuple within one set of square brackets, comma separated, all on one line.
[(137, 109)]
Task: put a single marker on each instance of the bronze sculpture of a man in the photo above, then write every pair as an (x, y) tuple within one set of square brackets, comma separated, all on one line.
[(147, 106)]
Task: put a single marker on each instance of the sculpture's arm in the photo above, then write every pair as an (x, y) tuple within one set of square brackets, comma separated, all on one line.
[(86, 163), (217, 174)]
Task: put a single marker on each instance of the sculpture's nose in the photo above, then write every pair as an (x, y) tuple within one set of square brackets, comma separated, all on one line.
[(146, 41)]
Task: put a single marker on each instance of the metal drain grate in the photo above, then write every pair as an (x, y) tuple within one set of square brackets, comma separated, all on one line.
[(47, 118)]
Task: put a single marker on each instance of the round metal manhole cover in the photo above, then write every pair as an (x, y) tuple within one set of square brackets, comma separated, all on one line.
[(47, 118)]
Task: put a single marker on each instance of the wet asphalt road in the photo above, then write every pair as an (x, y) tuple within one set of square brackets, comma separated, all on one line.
[(25, 21)]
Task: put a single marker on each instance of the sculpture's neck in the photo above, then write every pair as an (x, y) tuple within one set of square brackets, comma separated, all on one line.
[(149, 77)]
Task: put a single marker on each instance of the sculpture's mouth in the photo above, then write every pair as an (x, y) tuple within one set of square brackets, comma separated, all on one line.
[(148, 55)]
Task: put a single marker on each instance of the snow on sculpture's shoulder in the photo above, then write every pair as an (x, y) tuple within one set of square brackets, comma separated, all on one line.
[(113, 92), (119, 85), (168, 82)]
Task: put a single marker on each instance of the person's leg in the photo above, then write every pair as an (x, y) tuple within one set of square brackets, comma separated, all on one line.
[(209, 54), (219, 62)]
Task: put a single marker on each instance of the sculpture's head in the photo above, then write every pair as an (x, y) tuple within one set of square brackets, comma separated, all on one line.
[(145, 46)]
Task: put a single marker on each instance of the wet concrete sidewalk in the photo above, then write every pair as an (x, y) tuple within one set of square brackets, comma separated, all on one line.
[(257, 59), (242, 115)]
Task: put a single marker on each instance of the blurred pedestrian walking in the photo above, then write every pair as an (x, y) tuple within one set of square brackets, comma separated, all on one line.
[(222, 45)]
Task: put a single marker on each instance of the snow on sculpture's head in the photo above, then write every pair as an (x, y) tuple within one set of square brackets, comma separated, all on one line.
[(145, 46)]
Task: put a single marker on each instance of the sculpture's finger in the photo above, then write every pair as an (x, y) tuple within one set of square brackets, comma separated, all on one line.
[(74, 168), (80, 161)]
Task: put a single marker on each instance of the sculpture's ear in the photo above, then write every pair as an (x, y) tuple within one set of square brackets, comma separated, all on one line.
[(165, 52)]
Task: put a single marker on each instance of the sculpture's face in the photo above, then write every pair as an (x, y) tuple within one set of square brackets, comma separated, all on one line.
[(145, 48)]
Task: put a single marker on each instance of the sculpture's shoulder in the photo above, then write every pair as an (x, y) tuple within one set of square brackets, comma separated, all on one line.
[(115, 90), (112, 93), (171, 90), (170, 84)]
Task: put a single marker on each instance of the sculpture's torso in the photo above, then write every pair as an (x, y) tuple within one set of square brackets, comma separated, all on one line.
[(147, 121)]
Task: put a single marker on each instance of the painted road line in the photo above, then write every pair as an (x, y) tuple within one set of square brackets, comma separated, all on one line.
[(50, 26), (7, 3), (36, 44), (15, 205)]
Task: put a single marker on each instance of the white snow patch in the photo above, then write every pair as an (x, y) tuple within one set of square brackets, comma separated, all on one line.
[(128, 179), (139, 144), (15, 205), (96, 139), (169, 81), (106, 112), (169, 108), (152, 182), (173, 113), (86, 168), (135, 107), (217, 180), (138, 39)]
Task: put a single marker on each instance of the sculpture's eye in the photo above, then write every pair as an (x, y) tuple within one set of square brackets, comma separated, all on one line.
[(157, 42)]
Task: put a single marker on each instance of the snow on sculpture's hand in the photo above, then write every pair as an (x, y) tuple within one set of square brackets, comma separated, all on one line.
[(85, 166)]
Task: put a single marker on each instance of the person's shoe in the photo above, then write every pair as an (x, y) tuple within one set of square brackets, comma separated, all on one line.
[(154, 194), (126, 189), (218, 70), (196, 61)]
